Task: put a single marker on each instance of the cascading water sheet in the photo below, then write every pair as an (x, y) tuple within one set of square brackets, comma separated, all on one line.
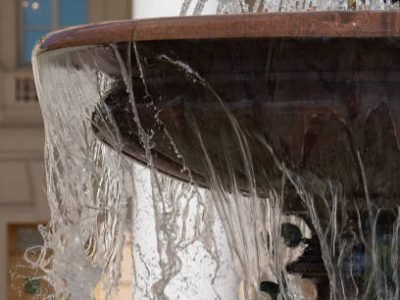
[(97, 196)]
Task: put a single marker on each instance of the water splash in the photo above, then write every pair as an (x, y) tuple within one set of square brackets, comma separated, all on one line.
[(263, 6)]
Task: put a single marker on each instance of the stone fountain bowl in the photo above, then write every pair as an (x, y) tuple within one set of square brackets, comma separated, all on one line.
[(239, 100)]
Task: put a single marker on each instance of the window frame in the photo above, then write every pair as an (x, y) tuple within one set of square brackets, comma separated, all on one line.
[(54, 25), (10, 39)]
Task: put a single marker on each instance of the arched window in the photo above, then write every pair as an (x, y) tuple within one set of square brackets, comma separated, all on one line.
[(38, 17)]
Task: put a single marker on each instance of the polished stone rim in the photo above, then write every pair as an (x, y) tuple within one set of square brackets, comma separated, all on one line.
[(334, 24)]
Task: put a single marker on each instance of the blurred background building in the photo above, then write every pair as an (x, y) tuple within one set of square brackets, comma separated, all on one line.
[(23, 203)]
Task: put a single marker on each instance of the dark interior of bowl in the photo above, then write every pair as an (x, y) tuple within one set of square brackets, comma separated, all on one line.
[(323, 105)]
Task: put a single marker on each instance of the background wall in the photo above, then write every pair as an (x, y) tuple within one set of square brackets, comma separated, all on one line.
[(22, 181)]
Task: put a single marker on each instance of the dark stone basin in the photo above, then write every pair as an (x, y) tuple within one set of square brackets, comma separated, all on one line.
[(321, 89), (324, 105), (317, 94)]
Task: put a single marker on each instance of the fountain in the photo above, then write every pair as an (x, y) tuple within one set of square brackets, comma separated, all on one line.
[(283, 124)]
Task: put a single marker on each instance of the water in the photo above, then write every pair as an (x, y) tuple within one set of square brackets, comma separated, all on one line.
[(326, 174), (260, 6), (96, 195), (302, 168)]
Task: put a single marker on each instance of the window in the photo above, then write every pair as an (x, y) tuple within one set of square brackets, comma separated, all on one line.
[(39, 17)]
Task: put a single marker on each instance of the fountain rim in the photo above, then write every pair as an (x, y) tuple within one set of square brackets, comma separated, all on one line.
[(327, 24)]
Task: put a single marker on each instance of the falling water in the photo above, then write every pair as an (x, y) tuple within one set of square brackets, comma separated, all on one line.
[(96, 195), (303, 196), (262, 6)]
